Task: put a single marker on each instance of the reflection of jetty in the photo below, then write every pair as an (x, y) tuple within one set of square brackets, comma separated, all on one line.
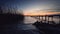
[(46, 18)]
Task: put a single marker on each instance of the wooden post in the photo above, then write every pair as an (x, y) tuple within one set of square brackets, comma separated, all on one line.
[(39, 18), (48, 19), (52, 18), (42, 18), (59, 19), (45, 19)]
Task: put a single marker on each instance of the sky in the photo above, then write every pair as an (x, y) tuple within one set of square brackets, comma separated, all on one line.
[(28, 7)]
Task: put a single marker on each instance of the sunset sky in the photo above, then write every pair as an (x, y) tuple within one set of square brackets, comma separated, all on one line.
[(34, 7)]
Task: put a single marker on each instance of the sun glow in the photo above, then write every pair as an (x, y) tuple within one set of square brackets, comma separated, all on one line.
[(41, 13)]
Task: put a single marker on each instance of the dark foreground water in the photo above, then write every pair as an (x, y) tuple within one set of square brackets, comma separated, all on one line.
[(19, 29), (28, 29)]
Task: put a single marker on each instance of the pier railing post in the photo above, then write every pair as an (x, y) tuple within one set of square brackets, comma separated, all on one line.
[(59, 19)]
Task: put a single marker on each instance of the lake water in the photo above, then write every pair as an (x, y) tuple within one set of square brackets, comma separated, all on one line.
[(28, 20)]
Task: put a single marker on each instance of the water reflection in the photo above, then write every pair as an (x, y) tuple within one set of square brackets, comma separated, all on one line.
[(56, 19)]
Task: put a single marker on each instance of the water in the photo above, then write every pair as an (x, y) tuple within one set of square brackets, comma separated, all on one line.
[(26, 27), (31, 20)]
